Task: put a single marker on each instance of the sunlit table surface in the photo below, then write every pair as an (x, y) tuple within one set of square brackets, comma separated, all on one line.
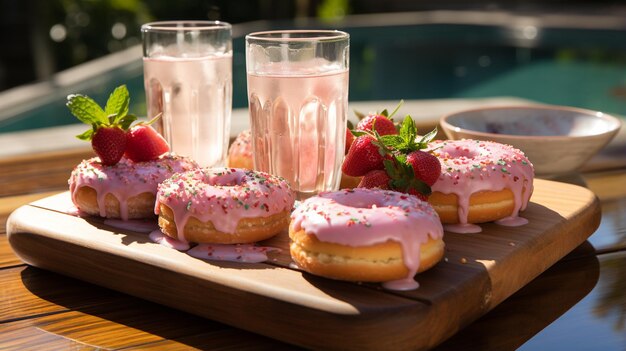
[(577, 304)]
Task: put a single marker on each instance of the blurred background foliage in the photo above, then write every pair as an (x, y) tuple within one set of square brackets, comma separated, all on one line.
[(41, 37)]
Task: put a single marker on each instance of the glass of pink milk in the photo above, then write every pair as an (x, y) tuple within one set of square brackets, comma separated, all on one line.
[(298, 97), (188, 79)]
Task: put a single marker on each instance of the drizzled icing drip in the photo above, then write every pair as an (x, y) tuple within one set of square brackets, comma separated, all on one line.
[(364, 217), (158, 237), (465, 228), (223, 196), (470, 166), (402, 284), (125, 179), (512, 221), (74, 211), (234, 253)]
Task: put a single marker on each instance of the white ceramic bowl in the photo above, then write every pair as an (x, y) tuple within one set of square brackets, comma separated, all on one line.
[(556, 139)]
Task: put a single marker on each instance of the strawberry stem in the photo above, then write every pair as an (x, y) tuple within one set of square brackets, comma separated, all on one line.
[(154, 119), (396, 109)]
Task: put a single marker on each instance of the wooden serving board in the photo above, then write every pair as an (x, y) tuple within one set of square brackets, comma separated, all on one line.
[(275, 299)]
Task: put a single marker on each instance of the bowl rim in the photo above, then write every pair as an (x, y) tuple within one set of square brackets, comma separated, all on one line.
[(614, 123)]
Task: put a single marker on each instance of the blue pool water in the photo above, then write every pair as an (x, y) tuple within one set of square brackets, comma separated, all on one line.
[(575, 67)]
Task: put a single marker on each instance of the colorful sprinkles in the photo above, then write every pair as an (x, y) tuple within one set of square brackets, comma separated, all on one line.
[(125, 179), (224, 196), (471, 166)]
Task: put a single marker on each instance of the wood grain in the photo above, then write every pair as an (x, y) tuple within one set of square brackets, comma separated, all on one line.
[(35, 292), (39, 172), (232, 339), (75, 313), (474, 278), (532, 308), (7, 256), (123, 323)]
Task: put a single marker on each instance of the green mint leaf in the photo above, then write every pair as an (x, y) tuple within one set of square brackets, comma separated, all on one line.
[(358, 133), (396, 109), (385, 113), (126, 121), (382, 149), (407, 169), (402, 160), (349, 125), (398, 184), (420, 186), (390, 168), (112, 119), (408, 131), (85, 109), (87, 135), (392, 141), (117, 104), (423, 143)]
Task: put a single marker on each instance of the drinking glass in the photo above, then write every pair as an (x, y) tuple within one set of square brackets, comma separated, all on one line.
[(188, 79), (298, 97)]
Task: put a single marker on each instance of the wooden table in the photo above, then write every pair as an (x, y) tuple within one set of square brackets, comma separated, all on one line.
[(579, 303)]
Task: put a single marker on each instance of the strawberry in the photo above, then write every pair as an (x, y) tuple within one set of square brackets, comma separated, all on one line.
[(403, 179), (380, 123), (377, 178), (145, 144), (405, 167), (426, 166), (109, 144), (108, 126), (413, 171), (365, 154), (349, 140)]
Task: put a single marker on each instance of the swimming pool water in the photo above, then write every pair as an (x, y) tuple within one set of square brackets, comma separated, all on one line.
[(575, 67)]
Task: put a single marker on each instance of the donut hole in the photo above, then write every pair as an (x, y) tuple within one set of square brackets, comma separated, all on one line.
[(462, 152), (226, 179), (359, 200)]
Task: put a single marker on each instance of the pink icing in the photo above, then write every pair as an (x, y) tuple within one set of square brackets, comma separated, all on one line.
[(401, 284), (465, 228), (469, 166), (74, 211), (158, 237), (363, 217), (233, 253), (125, 179), (223, 196), (512, 221)]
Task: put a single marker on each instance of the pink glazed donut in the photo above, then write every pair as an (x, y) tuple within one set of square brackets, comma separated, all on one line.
[(223, 206), (368, 235), (125, 190), (481, 181)]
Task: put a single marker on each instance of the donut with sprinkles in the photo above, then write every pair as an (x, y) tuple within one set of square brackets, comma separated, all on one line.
[(369, 235), (223, 205), (125, 190), (480, 181)]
